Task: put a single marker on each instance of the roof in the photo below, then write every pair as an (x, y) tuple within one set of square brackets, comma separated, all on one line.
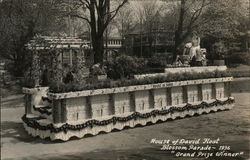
[(49, 42), (137, 30), (114, 38)]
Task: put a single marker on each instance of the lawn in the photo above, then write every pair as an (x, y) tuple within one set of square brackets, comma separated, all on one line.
[(240, 71)]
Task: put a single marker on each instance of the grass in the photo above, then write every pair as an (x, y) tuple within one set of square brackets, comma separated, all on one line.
[(240, 71), (240, 85)]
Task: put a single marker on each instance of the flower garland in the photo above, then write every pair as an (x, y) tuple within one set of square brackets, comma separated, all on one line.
[(43, 110), (34, 124)]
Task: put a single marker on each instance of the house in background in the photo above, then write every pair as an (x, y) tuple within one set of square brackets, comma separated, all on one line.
[(144, 43), (137, 43), (246, 41), (113, 45)]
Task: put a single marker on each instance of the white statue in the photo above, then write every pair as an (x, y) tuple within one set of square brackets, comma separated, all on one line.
[(195, 49)]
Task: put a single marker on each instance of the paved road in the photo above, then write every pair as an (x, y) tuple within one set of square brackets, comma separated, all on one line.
[(232, 127)]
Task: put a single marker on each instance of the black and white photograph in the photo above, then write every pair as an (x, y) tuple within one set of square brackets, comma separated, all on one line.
[(125, 79)]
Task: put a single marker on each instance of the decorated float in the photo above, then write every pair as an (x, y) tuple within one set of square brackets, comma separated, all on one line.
[(114, 105)]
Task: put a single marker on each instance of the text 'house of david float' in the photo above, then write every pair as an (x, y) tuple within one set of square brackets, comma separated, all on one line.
[(178, 92)]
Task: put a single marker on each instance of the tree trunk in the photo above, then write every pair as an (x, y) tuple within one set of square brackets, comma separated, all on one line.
[(178, 32), (98, 48), (176, 44)]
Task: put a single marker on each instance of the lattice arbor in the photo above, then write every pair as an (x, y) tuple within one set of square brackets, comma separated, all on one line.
[(35, 70), (53, 56), (56, 72)]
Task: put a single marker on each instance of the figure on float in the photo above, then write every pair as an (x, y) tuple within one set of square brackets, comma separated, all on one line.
[(193, 54)]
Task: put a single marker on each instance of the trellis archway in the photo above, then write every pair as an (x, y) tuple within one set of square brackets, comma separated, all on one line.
[(52, 56)]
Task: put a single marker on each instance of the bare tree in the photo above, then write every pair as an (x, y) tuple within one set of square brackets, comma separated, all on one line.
[(124, 21), (98, 14), (151, 11), (149, 17), (189, 14)]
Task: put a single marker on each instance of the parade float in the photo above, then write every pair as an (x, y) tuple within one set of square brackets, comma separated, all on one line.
[(146, 98)]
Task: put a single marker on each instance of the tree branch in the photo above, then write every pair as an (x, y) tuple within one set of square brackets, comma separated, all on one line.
[(110, 18), (197, 13), (85, 2), (81, 17)]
